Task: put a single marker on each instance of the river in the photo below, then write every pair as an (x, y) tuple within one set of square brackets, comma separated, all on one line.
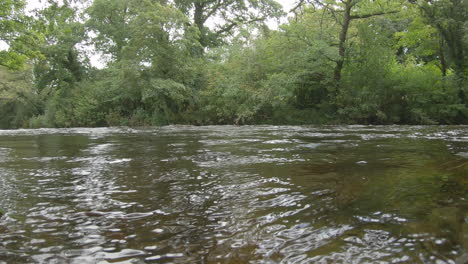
[(229, 194)]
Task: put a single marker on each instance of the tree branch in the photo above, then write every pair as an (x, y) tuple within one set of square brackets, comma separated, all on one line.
[(327, 57), (235, 23), (299, 5), (331, 10), (373, 14), (213, 10)]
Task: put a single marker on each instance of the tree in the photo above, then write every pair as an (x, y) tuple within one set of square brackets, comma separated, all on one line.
[(125, 29), (15, 32), (108, 24), (449, 18), (344, 12), (226, 16), (152, 70), (18, 98), (418, 41), (61, 66)]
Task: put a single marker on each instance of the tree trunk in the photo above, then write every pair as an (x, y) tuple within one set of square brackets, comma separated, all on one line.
[(342, 43), (200, 22), (443, 64)]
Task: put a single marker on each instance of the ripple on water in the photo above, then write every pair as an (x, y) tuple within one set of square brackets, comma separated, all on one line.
[(261, 194)]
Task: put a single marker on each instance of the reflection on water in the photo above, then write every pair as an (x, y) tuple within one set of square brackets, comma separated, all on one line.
[(223, 194)]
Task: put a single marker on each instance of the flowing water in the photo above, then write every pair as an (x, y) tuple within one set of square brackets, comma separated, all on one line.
[(227, 194)]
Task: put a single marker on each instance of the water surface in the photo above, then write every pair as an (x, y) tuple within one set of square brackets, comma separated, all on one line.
[(226, 194)]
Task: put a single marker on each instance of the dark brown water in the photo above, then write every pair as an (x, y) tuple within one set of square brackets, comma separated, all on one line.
[(225, 194)]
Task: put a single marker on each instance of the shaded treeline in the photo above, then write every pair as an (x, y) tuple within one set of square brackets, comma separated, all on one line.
[(216, 62)]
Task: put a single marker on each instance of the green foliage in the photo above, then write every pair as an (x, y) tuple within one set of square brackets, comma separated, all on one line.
[(61, 66), (18, 98), (449, 18), (151, 76), (17, 34), (141, 30), (428, 98), (277, 74), (10, 25), (351, 61), (380, 90), (229, 16)]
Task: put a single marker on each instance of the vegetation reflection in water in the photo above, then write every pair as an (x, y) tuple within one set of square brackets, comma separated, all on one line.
[(259, 194)]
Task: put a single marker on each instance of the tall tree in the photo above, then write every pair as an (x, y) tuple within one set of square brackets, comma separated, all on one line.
[(108, 24), (226, 16), (418, 41), (449, 18), (61, 66), (117, 26), (150, 44), (344, 12)]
